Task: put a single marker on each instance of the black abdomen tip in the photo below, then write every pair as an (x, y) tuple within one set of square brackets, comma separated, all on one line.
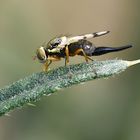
[(103, 50)]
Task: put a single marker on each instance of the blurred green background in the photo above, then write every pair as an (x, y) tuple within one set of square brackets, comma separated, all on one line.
[(105, 109)]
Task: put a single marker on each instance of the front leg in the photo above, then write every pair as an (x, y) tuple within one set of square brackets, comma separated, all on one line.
[(45, 66), (49, 61)]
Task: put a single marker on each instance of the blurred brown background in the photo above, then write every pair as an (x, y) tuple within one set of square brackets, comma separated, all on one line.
[(105, 109)]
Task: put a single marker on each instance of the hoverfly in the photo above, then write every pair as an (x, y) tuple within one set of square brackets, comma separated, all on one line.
[(65, 46)]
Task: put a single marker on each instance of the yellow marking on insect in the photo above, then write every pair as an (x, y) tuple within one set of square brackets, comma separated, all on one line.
[(54, 58), (77, 38), (54, 50), (102, 33), (64, 41)]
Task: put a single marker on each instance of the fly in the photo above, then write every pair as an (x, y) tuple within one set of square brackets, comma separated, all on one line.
[(65, 47)]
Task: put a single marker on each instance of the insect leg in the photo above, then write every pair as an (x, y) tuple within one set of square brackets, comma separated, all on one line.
[(90, 58), (53, 58), (67, 55), (45, 66), (84, 54), (49, 63), (67, 60)]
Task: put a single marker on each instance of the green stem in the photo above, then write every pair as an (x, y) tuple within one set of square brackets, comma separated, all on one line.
[(33, 87)]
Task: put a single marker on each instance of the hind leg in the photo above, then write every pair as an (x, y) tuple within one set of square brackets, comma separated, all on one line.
[(89, 58), (86, 58), (84, 54)]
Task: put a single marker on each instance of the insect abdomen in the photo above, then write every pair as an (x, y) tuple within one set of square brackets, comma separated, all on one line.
[(87, 47), (91, 50)]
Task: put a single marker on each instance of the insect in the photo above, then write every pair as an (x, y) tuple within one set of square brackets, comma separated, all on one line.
[(65, 46)]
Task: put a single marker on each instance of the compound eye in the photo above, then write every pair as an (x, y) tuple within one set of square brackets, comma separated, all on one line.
[(41, 55)]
